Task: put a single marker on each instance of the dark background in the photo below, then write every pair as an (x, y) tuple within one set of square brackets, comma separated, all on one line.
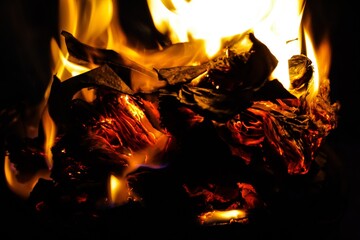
[(25, 31)]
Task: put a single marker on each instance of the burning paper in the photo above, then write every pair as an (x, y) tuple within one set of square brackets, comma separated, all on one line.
[(222, 125)]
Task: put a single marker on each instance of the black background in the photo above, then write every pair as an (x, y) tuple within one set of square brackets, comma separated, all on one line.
[(25, 31)]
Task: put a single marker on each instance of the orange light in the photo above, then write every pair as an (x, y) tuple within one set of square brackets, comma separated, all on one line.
[(119, 192), (21, 188), (276, 23), (222, 217)]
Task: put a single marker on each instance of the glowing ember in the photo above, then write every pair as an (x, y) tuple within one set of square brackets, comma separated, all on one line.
[(223, 217)]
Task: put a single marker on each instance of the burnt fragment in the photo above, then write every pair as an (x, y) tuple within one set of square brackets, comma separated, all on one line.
[(230, 70), (181, 74), (271, 91), (300, 71), (225, 85), (62, 93), (84, 54)]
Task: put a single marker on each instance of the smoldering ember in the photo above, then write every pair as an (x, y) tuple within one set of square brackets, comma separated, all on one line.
[(214, 144)]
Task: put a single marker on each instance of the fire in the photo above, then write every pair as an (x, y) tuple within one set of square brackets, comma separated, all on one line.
[(50, 134), (222, 217), (210, 21), (275, 22), (118, 190), (22, 188), (200, 33), (207, 25), (93, 22), (321, 60)]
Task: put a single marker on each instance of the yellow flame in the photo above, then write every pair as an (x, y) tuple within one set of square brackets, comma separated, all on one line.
[(88, 21), (281, 33), (50, 134), (275, 22), (310, 52), (49, 128), (64, 68), (224, 216), (207, 20), (22, 188), (134, 109), (320, 56), (119, 192), (91, 22), (323, 59)]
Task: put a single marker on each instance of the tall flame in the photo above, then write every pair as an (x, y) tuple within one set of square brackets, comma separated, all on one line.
[(207, 20), (92, 22), (279, 24), (320, 57), (275, 22)]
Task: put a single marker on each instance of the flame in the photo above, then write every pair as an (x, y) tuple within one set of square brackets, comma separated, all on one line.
[(21, 188), (91, 22), (222, 217), (207, 20), (207, 25), (276, 23), (279, 24), (118, 192), (50, 134), (320, 57), (95, 23)]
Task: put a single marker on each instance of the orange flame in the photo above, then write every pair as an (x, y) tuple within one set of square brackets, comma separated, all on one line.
[(320, 56), (223, 217), (276, 23), (118, 192), (21, 188)]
